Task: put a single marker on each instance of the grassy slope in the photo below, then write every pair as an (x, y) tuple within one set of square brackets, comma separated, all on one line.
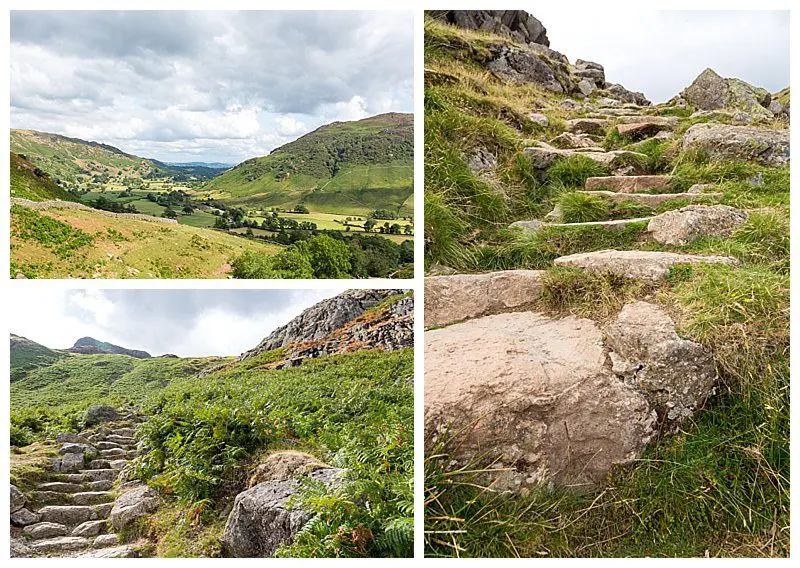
[(720, 485), (26, 355), (60, 243), (350, 167), (28, 185), (70, 159)]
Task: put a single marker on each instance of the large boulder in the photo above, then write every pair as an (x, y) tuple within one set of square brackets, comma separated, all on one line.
[(709, 91), (17, 499), (132, 505), (517, 25), (458, 297), (682, 226), (590, 71), (70, 462), (620, 93), (676, 375), (529, 65), (763, 145), (539, 395), (283, 465), (23, 517), (536, 393), (99, 413), (263, 517)]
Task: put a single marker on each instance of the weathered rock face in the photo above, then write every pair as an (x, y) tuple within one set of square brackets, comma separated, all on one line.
[(641, 264), (526, 65), (675, 374), (590, 71), (17, 499), (132, 505), (284, 465), (762, 145), (690, 223), (262, 518), (619, 92), (454, 298), (97, 414), (19, 549), (554, 402), (536, 391), (322, 318), (709, 91), (517, 25)]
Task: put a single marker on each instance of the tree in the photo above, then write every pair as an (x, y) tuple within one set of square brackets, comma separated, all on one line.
[(329, 258), (169, 213), (407, 230), (188, 209), (300, 208), (368, 224)]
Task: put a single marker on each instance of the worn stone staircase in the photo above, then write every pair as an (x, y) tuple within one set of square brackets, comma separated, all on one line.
[(68, 513)]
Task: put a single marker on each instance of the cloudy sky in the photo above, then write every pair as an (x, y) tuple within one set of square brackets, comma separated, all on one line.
[(181, 322), (205, 86), (660, 53)]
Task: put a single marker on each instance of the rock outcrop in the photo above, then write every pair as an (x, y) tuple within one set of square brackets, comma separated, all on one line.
[(709, 91), (517, 25), (682, 226), (263, 518), (553, 401), (92, 346), (283, 465), (722, 142), (132, 505)]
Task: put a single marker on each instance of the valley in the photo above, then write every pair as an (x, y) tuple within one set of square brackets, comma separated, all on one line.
[(342, 181)]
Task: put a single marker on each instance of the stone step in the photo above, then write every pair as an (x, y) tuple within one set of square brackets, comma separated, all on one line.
[(51, 497), (100, 464), (544, 155), (628, 184), (125, 440), (650, 199), (59, 544), (105, 540), (90, 528), (73, 515), (92, 497), (45, 530), (102, 485), (107, 445), (119, 464), (124, 551), (69, 477), (535, 225), (60, 486), (644, 265), (113, 453), (126, 432), (100, 474)]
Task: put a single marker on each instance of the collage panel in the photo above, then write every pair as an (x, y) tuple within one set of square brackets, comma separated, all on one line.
[(197, 144), (606, 288), (211, 423)]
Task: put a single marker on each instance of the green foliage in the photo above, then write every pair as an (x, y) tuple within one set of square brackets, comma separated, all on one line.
[(656, 152), (30, 182), (579, 207), (61, 238), (573, 171), (353, 411), (26, 355), (328, 257)]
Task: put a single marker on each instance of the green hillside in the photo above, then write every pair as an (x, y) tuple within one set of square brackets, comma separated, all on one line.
[(77, 162), (28, 181), (343, 167), (26, 355)]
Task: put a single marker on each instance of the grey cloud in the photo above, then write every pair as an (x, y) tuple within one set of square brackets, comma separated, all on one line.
[(134, 66)]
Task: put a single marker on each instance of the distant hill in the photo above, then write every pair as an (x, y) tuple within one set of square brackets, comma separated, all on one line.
[(201, 170), (73, 160), (27, 355), (28, 181), (92, 346), (340, 167)]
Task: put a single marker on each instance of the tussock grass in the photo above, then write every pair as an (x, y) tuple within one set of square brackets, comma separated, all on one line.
[(582, 207), (573, 171)]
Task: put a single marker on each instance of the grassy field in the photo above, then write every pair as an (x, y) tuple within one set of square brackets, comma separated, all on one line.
[(138, 199), (64, 243), (719, 486)]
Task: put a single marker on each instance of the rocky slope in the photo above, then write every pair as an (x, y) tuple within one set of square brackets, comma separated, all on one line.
[(92, 346), (322, 319)]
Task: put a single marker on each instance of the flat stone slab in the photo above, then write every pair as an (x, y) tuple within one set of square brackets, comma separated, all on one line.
[(124, 551), (60, 544), (685, 225), (645, 265), (615, 224), (543, 156), (650, 199), (628, 184), (462, 296)]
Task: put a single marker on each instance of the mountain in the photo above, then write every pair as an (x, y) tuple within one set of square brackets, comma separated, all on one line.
[(26, 355), (356, 319), (74, 161), (28, 181), (186, 171), (211, 165), (92, 346), (340, 167)]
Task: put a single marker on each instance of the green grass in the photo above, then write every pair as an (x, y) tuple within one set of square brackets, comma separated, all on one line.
[(573, 171), (29, 183), (26, 355), (352, 411)]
